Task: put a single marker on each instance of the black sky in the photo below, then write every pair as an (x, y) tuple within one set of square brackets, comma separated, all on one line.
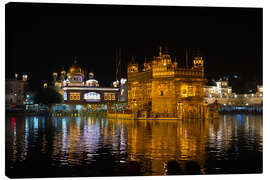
[(44, 38)]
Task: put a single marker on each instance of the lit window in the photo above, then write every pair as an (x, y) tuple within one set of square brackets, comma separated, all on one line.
[(190, 91), (92, 96), (65, 95), (109, 96), (184, 93), (74, 96), (122, 92)]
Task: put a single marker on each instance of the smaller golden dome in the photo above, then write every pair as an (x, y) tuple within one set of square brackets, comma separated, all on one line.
[(75, 68)]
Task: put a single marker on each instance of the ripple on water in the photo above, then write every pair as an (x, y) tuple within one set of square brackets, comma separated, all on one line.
[(69, 142)]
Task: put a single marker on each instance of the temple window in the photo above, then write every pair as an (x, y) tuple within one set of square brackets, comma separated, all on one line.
[(74, 96), (109, 96), (122, 92), (184, 92), (92, 96), (190, 91), (65, 95)]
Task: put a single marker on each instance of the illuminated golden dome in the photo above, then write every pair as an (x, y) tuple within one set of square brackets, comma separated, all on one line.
[(75, 68)]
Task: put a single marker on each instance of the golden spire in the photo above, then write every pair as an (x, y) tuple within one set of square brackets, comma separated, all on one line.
[(132, 60), (75, 68), (160, 50)]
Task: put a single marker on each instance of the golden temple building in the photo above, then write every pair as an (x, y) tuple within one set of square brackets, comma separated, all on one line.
[(164, 90)]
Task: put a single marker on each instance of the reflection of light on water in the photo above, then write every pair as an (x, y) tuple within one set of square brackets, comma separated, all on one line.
[(80, 141), (247, 122), (13, 125), (91, 136), (219, 139), (78, 121), (122, 141), (211, 135), (26, 128), (26, 133), (13, 129), (64, 125), (106, 123), (35, 123), (239, 117), (55, 123), (43, 123), (60, 150), (64, 135), (102, 123)]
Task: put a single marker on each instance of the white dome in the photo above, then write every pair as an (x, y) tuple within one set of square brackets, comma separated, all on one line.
[(92, 82)]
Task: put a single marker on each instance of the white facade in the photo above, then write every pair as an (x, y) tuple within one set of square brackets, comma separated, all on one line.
[(15, 90), (222, 93)]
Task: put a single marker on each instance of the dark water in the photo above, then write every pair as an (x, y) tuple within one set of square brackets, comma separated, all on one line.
[(92, 146)]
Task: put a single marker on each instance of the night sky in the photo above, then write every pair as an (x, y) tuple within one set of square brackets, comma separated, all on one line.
[(44, 38)]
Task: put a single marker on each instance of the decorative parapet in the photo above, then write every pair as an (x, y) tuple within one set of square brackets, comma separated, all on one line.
[(139, 76), (190, 73)]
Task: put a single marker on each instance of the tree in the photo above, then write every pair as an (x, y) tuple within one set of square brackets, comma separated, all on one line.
[(48, 96)]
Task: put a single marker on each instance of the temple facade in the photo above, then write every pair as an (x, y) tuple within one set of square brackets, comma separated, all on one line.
[(78, 87), (164, 90)]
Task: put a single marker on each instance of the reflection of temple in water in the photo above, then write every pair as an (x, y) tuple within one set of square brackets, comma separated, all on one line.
[(155, 143), (163, 90), (150, 145)]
